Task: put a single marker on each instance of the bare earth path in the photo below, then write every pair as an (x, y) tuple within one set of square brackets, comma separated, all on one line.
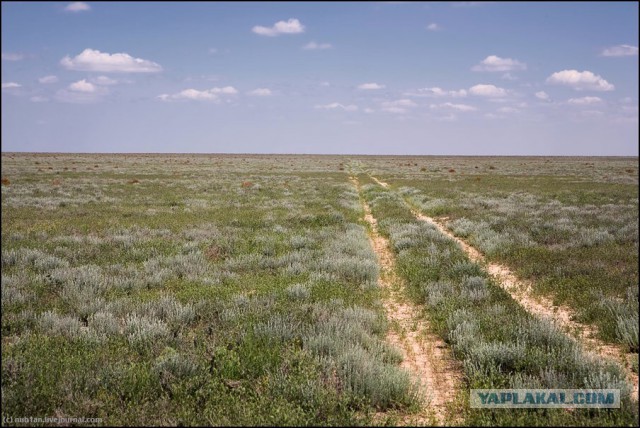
[(425, 355), (382, 183), (540, 306)]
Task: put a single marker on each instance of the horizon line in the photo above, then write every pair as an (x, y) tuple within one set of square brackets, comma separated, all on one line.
[(315, 154)]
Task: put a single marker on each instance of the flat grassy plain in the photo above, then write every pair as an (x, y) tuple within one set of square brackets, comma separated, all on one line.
[(243, 290), (569, 225)]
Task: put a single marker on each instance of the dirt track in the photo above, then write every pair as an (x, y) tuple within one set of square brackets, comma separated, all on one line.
[(425, 355), (540, 306)]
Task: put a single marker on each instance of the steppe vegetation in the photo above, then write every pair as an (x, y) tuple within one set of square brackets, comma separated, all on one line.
[(243, 289), (570, 226)]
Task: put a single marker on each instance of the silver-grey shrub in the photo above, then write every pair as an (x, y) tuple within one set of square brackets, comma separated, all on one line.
[(438, 292), (464, 268), (143, 331), (300, 241), (49, 262), (608, 379), (384, 385), (15, 289), (279, 327), (298, 291), (543, 334), (167, 309), (172, 366), (498, 354), (627, 330), (462, 227), (547, 378), (474, 288), (51, 323), (104, 324), (590, 236)]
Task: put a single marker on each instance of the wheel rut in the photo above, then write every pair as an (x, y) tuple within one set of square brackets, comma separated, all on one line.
[(425, 355), (540, 306)]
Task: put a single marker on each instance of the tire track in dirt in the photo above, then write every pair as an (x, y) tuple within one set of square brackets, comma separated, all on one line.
[(543, 307), (540, 306), (382, 183), (425, 355)]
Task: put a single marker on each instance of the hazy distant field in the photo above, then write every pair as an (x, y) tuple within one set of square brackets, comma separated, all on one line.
[(243, 289)]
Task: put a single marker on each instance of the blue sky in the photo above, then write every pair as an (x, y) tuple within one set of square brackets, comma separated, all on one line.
[(456, 78)]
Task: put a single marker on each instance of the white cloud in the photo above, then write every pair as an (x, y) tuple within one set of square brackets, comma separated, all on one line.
[(10, 85), (584, 101), (400, 103), (369, 110), (495, 63), (542, 95), (434, 27), (12, 56), (436, 92), (333, 106), (81, 92), (227, 90), (509, 76), (292, 26), (213, 51), (397, 110), (48, 79), (451, 106), (194, 94), (397, 106), (580, 80), (212, 94), (371, 86), (77, 6), (82, 86), (38, 99), (487, 91), (313, 46), (620, 50), (508, 110), (260, 92), (94, 60), (104, 81)]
